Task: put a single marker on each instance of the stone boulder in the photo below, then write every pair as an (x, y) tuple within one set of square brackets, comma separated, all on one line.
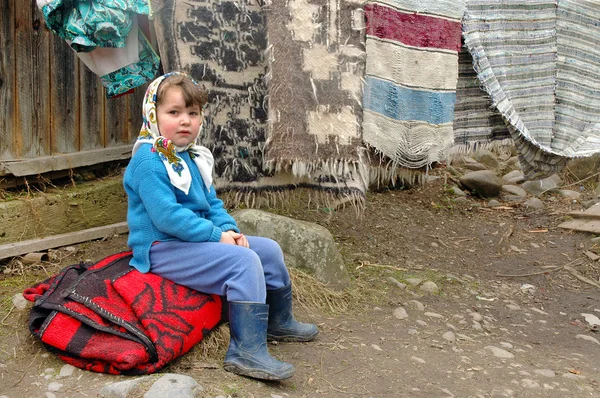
[(305, 245), (484, 182), (487, 158)]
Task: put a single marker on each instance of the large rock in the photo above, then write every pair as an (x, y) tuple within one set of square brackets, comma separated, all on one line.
[(484, 183), (305, 245)]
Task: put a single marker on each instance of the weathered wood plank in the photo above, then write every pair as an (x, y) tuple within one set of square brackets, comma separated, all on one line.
[(7, 77), (27, 167), (583, 225), (592, 212), (135, 112), (71, 238), (32, 54), (115, 121), (64, 87), (91, 110)]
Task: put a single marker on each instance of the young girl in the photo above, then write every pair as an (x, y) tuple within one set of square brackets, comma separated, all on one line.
[(179, 229)]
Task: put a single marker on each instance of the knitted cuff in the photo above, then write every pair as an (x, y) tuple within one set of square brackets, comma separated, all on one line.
[(230, 227)]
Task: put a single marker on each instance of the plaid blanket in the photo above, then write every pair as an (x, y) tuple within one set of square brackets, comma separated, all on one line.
[(109, 318)]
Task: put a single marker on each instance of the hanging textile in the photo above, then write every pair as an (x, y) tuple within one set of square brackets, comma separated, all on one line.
[(539, 62), (106, 37), (284, 92), (411, 75)]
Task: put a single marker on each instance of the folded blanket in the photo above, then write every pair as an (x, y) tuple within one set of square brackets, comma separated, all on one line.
[(107, 317)]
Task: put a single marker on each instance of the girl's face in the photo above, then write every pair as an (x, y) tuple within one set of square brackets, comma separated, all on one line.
[(177, 122)]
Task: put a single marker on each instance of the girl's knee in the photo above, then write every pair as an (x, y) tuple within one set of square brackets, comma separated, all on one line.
[(271, 249)]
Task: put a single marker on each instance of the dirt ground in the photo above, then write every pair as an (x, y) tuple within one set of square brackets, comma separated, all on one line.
[(506, 323)]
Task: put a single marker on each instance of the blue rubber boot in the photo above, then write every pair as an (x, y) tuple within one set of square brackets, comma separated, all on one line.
[(282, 325), (247, 354)]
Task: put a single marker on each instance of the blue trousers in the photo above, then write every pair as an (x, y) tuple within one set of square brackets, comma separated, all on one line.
[(239, 273)]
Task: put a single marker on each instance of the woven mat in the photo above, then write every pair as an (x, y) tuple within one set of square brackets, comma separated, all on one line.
[(411, 76), (317, 62), (284, 97), (539, 63)]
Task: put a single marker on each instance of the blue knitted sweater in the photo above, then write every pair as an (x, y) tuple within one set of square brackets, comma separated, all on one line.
[(159, 212)]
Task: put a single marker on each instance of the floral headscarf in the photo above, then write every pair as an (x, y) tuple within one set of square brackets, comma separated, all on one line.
[(177, 169)]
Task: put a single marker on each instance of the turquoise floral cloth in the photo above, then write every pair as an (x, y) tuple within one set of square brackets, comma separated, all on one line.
[(90, 24), (87, 25)]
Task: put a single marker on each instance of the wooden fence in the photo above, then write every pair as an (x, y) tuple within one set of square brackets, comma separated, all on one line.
[(54, 112)]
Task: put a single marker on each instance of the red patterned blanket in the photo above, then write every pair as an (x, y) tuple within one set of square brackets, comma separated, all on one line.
[(107, 317)]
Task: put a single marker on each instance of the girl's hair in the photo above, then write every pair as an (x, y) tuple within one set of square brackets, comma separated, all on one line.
[(192, 93)]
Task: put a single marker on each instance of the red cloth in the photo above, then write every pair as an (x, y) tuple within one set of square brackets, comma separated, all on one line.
[(108, 317)]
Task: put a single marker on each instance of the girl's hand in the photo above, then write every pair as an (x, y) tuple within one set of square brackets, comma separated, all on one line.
[(239, 239), (227, 238), (242, 241)]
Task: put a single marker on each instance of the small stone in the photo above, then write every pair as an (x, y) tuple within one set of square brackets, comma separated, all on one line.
[(433, 315), (528, 383), (591, 319), (512, 175), (400, 285), (414, 281), (513, 307), (573, 376), (499, 352), (54, 386), (545, 372), (125, 388), (567, 193), (457, 191), (476, 316), (493, 203), (416, 305), (430, 287), (514, 190), (587, 338), (449, 336), (477, 327), (66, 371), (463, 337), (534, 203), (376, 347), (506, 345), (421, 323), (417, 359), (174, 385), (49, 394), (400, 313), (19, 301)]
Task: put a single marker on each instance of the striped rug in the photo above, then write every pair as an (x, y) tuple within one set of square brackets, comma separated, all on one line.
[(476, 123), (539, 62), (410, 79)]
